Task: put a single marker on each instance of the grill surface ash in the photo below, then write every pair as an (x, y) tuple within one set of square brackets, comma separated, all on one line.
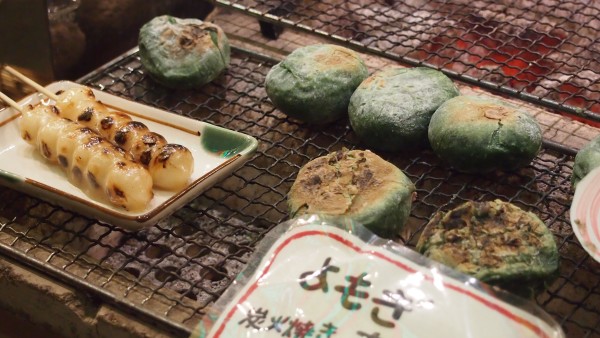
[(198, 264)]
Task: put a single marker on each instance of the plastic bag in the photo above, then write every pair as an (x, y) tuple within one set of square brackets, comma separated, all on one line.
[(322, 278)]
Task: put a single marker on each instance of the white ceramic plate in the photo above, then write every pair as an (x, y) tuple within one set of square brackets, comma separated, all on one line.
[(585, 213), (217, 153)]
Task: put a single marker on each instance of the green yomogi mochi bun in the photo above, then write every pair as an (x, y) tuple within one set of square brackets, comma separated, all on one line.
[(183, 53), (586, 160), (476, 134), (495, 242), (391, 109), (314, 83), (357, 184)]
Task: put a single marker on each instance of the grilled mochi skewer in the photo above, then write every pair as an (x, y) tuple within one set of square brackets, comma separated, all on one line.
[(101, 170), (170, 165)]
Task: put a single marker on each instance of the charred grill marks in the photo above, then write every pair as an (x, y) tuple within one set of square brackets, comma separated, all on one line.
[(86, 115), (46, 150), (93, 181), (136, 125), (121, 136), (146, 157), (107, 122), (167, 151), (63, 161), (118, 192), (149, 139), (92, 141), (77, 173)]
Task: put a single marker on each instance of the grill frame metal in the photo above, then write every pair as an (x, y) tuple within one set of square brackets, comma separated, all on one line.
[(228, 220), (288, 13)]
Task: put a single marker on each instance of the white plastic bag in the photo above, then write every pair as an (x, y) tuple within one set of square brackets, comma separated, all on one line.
[(322, 278)]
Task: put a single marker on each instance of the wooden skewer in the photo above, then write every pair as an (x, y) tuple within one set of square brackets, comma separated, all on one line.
[(11, 102), (30, 82)]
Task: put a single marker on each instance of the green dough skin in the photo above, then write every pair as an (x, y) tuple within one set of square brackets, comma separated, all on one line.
[(183, 53), (495, 242), (586, 160), (314, 83), (357, 184), (390, 110), (476, 134)]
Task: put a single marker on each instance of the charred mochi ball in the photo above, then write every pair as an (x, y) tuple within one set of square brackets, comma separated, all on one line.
[(357, 184), (183, 53), (314, 83), (587, 159), (495, 242), (477, 134)]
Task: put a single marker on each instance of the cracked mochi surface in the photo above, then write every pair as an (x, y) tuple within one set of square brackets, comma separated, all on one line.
[(357, 184), (183, 53), (476, 134), (495, 242), (314, 83)]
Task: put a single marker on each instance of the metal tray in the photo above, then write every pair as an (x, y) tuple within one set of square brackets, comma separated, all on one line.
[(169, 273)]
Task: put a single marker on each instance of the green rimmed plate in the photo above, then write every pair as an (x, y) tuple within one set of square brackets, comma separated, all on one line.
[(217, 153)]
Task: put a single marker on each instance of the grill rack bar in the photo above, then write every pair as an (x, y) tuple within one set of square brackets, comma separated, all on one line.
[(270, 11), (61, 275), (216, 233)]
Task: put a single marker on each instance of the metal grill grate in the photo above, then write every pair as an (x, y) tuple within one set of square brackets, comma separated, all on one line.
[(172, 271), (542, 51)]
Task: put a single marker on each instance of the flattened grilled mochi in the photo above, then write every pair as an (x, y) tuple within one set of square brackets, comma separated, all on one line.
[(183, 53), (391, 109), (495, 242), (586, 160), (314, 83), (477, 134), (357, 184)]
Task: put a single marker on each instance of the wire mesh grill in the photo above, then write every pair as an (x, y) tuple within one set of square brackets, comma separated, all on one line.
[(178, 267), (543, 51)]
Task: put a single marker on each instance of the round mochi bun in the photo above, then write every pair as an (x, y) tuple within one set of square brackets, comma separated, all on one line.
[(314, 83), (391, 109), (586, 160), (477, 134), (356, 184), (496, 242), (183, 53)]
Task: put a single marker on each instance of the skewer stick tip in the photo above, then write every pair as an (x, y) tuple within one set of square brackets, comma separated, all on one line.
[(11, 102), (30, 82)]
